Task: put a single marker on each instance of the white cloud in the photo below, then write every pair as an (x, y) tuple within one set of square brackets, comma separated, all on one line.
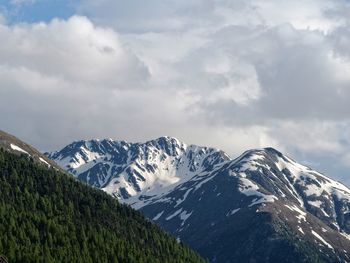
[(72, 50), (248, 73), (307, 14), (231, 74), (62, 72), (311, 136)]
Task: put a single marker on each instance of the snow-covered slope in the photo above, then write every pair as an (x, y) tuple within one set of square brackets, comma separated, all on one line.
[(210, 210), (286, 179), (134, 172), (265, 176), (214, 203)]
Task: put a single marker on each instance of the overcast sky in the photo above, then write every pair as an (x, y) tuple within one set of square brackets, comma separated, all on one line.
[(232, 74)]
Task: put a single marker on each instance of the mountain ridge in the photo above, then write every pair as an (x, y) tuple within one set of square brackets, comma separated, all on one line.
[(293, 201), (159, 160)]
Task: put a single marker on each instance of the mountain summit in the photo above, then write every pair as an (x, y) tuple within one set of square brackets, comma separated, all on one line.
[(134, 172), (260, 207)]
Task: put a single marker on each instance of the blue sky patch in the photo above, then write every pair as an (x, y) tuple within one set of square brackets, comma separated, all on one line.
[(31, 11)]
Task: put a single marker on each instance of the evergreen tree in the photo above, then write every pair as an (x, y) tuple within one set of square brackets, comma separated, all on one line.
[(47, 216)]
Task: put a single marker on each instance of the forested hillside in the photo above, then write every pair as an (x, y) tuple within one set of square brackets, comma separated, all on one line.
[(47, 216)]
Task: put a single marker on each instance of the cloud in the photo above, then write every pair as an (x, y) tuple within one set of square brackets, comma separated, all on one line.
[(134, 16), (273, 74), (61, 73), (295, 74), (73, 51), (229, 74)]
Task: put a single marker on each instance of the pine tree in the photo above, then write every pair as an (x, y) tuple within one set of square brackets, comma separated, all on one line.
[(47, 216)]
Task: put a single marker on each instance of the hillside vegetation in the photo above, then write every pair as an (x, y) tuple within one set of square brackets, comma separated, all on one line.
[(47, 216)]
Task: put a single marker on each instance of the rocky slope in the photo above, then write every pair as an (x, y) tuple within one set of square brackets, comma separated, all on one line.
[(18, 147)]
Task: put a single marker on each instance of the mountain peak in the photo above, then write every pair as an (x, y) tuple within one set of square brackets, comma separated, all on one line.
[(167, 138), (267, 151), (170, 144), (131, 170)]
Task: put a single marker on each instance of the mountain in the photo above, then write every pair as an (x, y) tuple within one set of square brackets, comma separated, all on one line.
[(135, 172), (260, 207), (14, 145), (48, 216)]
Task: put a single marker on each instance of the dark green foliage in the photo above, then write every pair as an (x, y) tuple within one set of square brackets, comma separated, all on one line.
[(47, 216)]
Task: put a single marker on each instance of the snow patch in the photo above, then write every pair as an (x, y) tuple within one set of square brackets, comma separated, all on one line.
[(321, 239), (232, 212), (18, 149), (249, 188), (302, 214), (184, 216), (177, 212), (301, 230), (265, 199), (158, 216), (45, 162), (183, 198), (316, 203)]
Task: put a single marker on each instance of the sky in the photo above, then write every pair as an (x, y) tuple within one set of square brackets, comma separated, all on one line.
[(231, 74)]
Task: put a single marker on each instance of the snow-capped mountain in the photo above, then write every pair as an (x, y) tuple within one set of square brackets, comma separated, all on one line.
[(264, 200), (259, 207), (135, 172)]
